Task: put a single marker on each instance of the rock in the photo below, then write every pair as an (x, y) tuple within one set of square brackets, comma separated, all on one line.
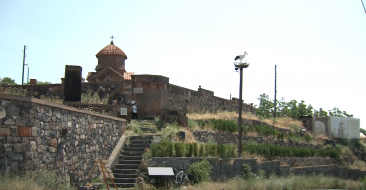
[(2, 112), (12, 110)]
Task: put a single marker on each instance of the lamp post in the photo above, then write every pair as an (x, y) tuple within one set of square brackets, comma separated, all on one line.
[(240, 66)]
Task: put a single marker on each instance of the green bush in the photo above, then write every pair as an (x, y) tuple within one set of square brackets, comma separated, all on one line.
[(202, 150), (307, 138), (202, 124), (263, 130), (224, 125), (200, 171), (179, 148), (269, 150), (161, 149), (195, 150), (191, 123), (245, 171), (189, 149), (211, 150)]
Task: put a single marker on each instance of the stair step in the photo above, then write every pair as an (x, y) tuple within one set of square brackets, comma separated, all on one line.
[(145, 145), (148, 141), (141, 137), (127, 166), (124, 185), (134, 149), (133, 153), (127, 157), (124, 180), (117, 175), (130, 162), (125, 171)]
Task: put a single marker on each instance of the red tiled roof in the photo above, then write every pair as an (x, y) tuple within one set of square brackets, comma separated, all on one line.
[(111, 49), (127, 75)]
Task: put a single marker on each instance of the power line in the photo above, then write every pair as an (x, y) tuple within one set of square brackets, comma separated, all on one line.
[(363, 6)]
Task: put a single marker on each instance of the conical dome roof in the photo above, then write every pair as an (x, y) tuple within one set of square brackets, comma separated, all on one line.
[(111, 49)]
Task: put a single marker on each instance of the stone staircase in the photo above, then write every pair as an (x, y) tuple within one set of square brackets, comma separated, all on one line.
[(147, 126), (127, 169)]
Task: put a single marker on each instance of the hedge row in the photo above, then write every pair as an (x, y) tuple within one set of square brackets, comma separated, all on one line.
[(269, 150), (181, 149)]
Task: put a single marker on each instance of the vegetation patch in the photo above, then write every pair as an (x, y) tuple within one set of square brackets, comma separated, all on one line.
[(200, 171), (270, 150)]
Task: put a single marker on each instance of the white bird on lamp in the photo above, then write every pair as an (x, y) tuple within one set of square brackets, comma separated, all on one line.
[(241, 57)]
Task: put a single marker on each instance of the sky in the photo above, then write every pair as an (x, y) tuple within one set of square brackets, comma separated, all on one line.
[(319, 46)]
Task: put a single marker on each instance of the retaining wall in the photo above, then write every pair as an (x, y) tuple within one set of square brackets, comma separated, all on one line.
[(37, 135), (229, 168)]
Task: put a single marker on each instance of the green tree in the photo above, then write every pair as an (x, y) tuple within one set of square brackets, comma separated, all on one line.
[(8, 80), (40, 82), (265, 108)]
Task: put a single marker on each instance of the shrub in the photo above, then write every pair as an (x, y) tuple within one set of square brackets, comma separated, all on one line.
[(195, 150), (263, 130), (169, 133), (245, 171), (202, 124), (200, 171), (191, 123), (161, 149), (189, 150), (269, 150), (307, 138), (179, 149), (202, 150), (224, 125), (211, 150)]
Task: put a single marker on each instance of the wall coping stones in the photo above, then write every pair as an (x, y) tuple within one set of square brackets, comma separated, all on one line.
[(43, 102)]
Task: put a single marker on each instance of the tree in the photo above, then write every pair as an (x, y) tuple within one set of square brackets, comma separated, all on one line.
[(265, 108), (8, 80), (293, 109), (40, 82)]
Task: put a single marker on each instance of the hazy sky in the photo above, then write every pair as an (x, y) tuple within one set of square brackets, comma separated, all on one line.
[(319, 46)]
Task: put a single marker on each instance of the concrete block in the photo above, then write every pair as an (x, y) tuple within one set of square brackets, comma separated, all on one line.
[(24, 131), (4, 131)]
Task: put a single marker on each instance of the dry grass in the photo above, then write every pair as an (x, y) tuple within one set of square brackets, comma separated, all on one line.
[(274, 182), (189, 135), (282, 122), (358, 164), (44, 180)]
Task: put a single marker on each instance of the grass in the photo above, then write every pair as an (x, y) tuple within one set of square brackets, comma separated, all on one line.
[(274, 182), (282, 122), (45, 180)]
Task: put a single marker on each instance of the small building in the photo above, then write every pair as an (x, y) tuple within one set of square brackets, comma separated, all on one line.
[(333, 127)]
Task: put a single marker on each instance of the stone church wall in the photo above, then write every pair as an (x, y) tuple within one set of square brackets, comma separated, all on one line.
[(37, 135), (203, 100), (156, 94)]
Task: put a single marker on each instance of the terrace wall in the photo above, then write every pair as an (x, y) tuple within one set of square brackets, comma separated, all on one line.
[(36, 135)]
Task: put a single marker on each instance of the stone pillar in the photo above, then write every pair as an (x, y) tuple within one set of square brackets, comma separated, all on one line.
[(72, 88)]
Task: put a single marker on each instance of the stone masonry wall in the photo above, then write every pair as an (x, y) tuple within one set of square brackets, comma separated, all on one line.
[(37, 135), (120, 91), (202, 100), (229, 168)]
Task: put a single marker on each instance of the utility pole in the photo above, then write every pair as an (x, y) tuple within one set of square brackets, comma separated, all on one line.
[(28, 75), (23, 64), (275, 99)]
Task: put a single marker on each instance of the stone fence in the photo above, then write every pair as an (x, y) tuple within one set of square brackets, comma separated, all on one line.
[(228, 168), (36, 135)]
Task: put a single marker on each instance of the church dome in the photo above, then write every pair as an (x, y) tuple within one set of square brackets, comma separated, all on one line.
[(111, 49)]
